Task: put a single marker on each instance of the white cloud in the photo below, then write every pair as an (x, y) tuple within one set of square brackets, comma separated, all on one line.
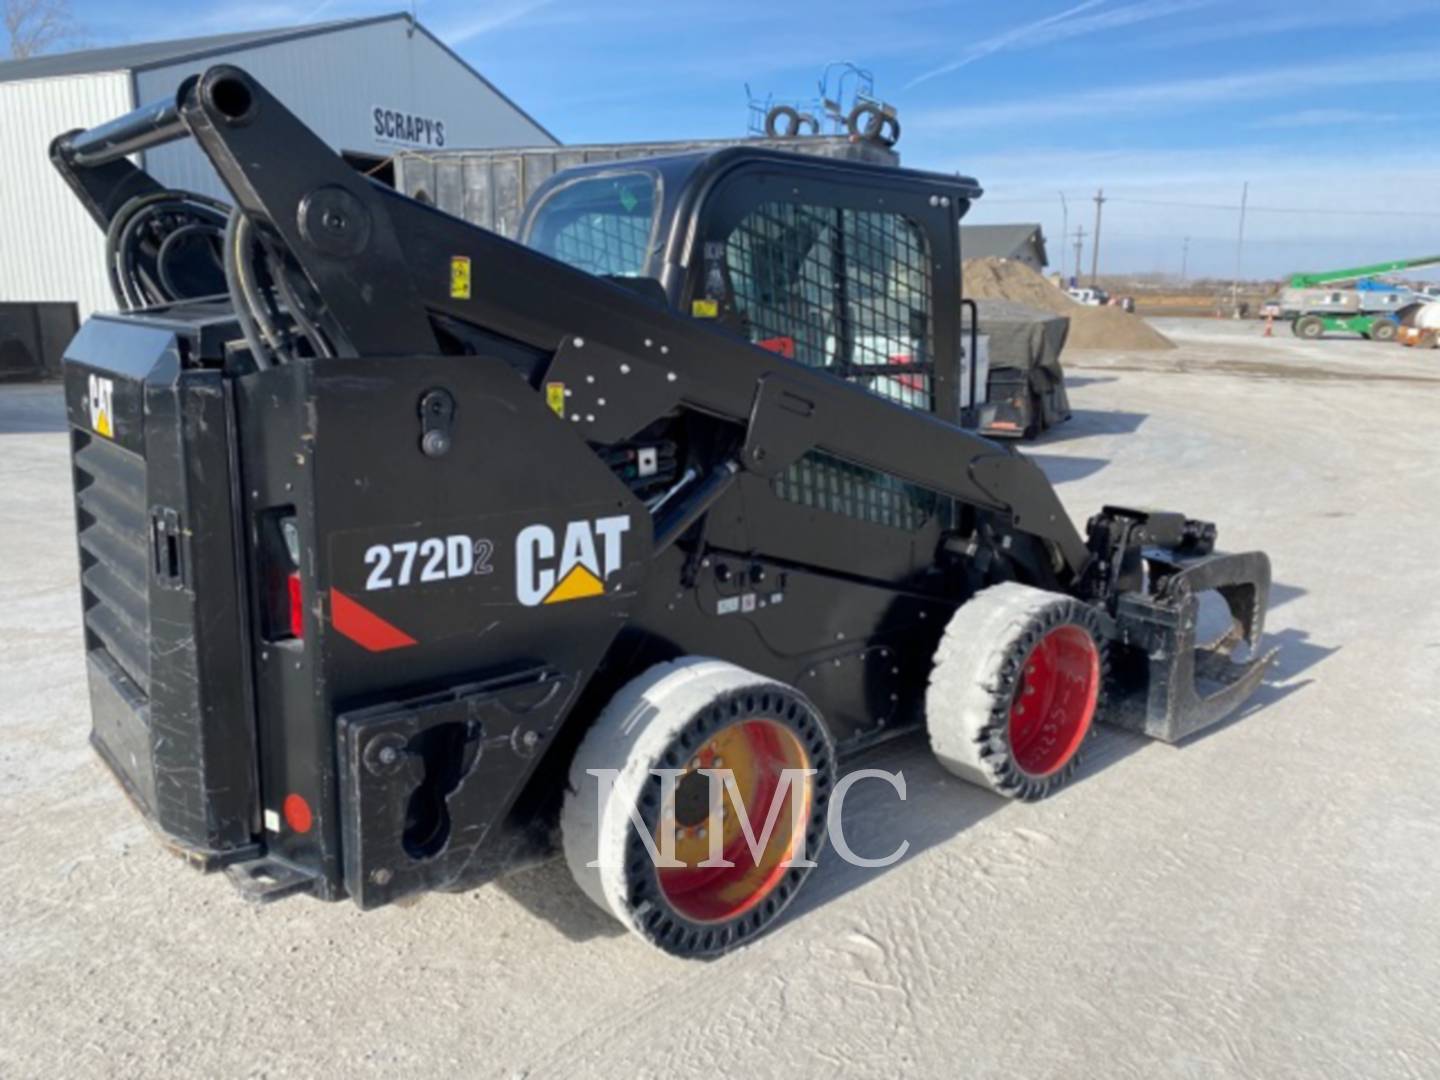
[(1323, 118), (489, 19), (1304, 18), (1375, 69), (1070, 23)]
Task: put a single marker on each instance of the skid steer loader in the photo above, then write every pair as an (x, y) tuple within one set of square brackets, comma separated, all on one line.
[(411, 555)]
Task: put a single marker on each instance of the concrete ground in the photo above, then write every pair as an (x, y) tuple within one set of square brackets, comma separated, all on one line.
[(1262, 902)]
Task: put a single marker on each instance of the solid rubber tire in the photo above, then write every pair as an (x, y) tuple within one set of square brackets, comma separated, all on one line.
[(973, 680), (634, 733)]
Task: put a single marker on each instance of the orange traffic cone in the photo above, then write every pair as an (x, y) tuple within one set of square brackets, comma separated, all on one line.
[(1269, 325)]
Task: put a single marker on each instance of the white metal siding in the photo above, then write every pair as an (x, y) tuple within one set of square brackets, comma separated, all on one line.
[(334, 81), (50, 248)]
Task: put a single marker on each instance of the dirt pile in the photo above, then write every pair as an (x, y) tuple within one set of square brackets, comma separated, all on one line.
[(1090, 327)]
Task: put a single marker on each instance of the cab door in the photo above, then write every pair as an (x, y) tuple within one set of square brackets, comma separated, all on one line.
[(822, 265)]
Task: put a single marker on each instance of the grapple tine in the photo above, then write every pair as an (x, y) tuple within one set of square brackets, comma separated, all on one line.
[(1158, 628)]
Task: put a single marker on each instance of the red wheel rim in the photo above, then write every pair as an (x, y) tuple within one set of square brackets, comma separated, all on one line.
[(757, 752), (1054, 700)]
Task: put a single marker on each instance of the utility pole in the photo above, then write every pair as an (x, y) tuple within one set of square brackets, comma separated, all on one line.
[(1184, 258), (1064, 228), (1095, 240), (1079, 243), (1239, 250)]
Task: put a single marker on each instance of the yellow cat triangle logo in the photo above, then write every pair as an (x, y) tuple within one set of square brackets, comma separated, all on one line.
[(102, 424), (576, 585)]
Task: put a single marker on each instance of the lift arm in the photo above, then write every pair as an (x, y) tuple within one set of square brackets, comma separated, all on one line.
[(382, 265)]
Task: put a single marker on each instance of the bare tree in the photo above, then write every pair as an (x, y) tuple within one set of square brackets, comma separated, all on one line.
[(35, 26)]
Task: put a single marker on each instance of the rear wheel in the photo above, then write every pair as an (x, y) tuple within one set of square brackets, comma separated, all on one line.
[(1309, 326), (685, 717), (1014, 689), (1383, 330)]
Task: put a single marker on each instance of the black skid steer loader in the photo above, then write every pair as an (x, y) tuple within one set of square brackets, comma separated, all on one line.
[(411, 554)]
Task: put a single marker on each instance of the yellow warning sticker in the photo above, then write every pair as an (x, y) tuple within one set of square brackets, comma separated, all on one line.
[(101, 405), (705, 309), (555, 397), (460, 277)]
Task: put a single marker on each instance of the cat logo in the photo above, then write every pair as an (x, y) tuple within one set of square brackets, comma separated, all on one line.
[(102, 406), (588, 555)]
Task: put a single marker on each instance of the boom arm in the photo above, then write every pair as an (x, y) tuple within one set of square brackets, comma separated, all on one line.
[(1329, 277), (381, 265)]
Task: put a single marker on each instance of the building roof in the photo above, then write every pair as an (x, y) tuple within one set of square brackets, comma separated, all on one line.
[(1002, 241), (151, 54), (154, 54)]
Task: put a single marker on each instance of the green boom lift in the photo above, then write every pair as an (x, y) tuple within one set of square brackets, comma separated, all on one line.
[(1376, 325)]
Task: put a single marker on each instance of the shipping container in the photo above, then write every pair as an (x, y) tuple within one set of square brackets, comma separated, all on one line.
[(490, 187)]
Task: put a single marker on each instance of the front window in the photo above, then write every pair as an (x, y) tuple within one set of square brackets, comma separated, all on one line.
[(600, 224)]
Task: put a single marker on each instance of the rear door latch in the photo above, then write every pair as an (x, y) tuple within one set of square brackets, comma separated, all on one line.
[(437, 417)]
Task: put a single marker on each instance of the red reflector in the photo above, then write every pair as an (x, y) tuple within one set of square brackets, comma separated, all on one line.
[(785, 346), (364, 627), (297, 813), (297, 609)]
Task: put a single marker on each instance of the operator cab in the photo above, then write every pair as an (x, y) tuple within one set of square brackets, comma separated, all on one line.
[(838, 265)]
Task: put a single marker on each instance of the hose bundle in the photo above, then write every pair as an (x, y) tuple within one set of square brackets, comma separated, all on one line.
[(165, 246), (272, 298), (168, 246)]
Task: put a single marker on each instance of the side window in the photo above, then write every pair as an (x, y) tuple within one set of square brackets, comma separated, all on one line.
[(847, 290), (599, 224)]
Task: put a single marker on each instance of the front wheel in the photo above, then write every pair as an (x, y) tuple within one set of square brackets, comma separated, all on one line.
[(642, 826), (1015, 688), (1382, 330)]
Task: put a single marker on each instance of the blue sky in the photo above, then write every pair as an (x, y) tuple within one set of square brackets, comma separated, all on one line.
[(1330, 110)]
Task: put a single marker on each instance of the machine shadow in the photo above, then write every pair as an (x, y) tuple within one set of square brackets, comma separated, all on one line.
[(550, 894), (937, 808), (1297, 654), (1072, 381), (1062, 470), (1280, 593), (1086, 422)]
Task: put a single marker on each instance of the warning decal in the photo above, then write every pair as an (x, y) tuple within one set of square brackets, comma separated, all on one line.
[(460, 277), (102, 406)]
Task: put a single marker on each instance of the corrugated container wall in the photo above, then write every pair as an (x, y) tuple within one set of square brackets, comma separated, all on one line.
[(490, 188), (335, 82), (50, 249)]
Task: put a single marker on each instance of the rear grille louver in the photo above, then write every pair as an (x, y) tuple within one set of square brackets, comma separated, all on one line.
[(115, 553)]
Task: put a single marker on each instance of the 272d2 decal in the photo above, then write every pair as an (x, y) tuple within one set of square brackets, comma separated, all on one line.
[(434, 558)]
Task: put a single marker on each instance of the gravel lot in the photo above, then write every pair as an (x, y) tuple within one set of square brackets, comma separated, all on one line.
[(1261, 902)]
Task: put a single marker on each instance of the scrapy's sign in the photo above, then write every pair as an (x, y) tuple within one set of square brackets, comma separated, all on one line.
[(393, 125)]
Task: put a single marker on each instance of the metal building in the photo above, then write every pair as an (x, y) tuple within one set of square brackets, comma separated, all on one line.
[(370, 87), (1025, 243)]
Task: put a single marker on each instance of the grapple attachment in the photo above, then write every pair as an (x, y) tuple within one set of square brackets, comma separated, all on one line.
[(1187, 623)]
